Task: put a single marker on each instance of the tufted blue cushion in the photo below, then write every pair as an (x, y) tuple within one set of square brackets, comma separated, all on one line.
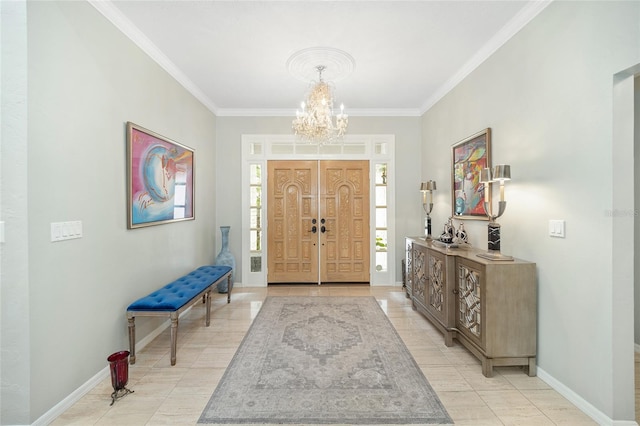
[(175, 294)]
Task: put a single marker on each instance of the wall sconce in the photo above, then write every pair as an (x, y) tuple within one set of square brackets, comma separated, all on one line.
[(427, 189), (500, 173)]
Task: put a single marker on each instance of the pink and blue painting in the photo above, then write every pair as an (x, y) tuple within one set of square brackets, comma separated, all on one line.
[(160, 179)]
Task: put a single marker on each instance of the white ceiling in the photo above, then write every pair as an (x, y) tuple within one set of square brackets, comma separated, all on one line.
[(233, 55)]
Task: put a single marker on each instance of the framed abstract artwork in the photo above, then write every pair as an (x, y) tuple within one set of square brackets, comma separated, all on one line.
[(160, 179), (469, 157)]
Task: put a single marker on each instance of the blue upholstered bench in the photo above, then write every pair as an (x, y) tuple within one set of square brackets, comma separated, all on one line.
[(174, 298)]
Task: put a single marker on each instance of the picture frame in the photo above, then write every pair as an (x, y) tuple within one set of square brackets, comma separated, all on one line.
[(160, 179), (468, 158)]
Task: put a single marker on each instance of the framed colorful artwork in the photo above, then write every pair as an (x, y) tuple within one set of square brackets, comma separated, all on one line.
[(469, 157), (160, 176)]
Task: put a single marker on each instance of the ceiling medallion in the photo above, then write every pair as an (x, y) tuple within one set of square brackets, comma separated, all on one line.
[(315, 123)]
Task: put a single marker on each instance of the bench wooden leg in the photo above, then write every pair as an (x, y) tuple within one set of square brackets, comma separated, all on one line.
[(207, 317), (229, 289), (174, 336), (132, 339)]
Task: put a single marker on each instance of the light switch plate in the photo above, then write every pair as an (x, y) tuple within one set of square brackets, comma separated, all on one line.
[(556, 228), (61, 231)]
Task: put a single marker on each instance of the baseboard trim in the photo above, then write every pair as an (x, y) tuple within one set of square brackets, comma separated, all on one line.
[(66, 403), (584, 406), (75, 396)]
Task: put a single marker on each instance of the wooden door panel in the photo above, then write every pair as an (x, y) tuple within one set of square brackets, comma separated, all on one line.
[(344, 206), (339, 203), (292, 205)]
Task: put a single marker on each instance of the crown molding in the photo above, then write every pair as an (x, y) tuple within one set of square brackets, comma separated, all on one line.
[(113, 14), (522, 18), (273, 112)]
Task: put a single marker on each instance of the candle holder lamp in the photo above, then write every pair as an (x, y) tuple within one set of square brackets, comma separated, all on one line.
[(500, 174), (427, 189)]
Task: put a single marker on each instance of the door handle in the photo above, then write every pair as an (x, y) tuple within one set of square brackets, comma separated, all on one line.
[(314, 229), (323, 229)]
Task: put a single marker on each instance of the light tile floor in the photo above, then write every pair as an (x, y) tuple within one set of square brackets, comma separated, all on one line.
[(166, 395)]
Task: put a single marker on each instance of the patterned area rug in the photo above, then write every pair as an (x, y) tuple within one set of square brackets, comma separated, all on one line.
[(323, 360)]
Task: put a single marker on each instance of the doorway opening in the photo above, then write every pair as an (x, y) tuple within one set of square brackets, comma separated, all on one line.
[(624, 266), (350, 184)]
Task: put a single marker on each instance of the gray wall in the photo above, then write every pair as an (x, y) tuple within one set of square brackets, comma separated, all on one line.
[(14, 285), (228, 161), (636, 228), (547, 95), (85, 81)]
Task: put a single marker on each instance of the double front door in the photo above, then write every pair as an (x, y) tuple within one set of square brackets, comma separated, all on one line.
[(318, 221)]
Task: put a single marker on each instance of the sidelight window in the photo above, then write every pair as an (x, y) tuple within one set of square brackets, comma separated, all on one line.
[(255, 217), (381, 217)]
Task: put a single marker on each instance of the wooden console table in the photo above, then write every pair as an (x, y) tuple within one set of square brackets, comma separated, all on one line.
[(488, 306)]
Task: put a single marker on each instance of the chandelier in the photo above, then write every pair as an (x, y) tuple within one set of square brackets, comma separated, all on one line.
[(315, 123)]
